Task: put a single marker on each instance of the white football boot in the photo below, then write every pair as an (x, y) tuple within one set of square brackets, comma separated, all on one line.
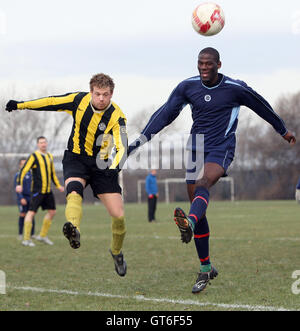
[(28, 243), (45, 240)]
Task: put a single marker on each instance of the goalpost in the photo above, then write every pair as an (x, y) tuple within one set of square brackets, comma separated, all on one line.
[(168, 181)]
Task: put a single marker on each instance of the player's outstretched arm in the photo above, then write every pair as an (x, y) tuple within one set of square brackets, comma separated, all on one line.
[(53, 103)]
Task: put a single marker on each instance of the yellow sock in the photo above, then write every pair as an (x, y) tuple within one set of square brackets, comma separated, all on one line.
[(118, 234), (27, 229), (45, 227), (73, 209)]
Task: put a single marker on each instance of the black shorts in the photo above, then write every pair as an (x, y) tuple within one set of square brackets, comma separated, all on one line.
[(101, 181), (44, 200)]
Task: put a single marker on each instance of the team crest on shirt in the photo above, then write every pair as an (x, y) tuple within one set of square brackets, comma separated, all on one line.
[(102, 126), (207, 98)]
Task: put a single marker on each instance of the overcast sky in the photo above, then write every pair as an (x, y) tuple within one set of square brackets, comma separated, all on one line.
[(148, 47)]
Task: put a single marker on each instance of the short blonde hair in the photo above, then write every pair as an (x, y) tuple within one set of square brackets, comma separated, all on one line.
[(102, 80)]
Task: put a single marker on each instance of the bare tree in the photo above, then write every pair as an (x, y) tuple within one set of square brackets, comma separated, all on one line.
[(269, 168), (18, 133), (141, 119)]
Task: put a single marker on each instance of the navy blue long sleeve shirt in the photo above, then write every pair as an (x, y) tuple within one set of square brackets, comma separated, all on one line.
[(298, 185), (26, 186), (215, 111)]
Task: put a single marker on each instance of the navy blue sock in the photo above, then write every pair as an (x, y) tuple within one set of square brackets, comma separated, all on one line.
[(201, 238), (21, 224), (199, 204), (33, 227)]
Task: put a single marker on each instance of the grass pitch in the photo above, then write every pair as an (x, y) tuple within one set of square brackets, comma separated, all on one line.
[(254, 245)]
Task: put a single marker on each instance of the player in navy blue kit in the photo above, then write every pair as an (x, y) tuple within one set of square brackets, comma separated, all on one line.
[(23, 199), (215, 101), (298, 191)]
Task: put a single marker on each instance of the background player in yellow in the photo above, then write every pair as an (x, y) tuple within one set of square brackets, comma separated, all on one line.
[(41, 163), (97, 149)]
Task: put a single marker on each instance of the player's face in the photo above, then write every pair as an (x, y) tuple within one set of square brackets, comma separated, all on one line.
[(42, 145), (21, 164), (208, 68), (101, 97)]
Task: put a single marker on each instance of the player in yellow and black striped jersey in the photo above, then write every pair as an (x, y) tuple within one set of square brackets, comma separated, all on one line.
[(97, 149), (43, 172), (92, 129)]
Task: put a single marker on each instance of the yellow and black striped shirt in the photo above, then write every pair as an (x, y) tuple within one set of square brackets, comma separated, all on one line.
[(96, 134), (43, 172)]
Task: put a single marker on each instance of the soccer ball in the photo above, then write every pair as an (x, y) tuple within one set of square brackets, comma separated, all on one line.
[(208, 19)]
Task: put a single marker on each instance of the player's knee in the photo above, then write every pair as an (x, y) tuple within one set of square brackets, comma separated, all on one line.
[(51, 213), (74, 187), (204, 182), (29, 216), (117, 213)]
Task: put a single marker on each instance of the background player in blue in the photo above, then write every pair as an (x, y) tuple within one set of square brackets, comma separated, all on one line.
[(23, 199), (298, 191), (215, 100)]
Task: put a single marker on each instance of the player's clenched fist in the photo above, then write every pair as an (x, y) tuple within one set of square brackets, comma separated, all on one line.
[(11, 105)]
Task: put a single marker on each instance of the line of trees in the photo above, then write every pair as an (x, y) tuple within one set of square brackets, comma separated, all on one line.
[(266, 167), (18, 133)]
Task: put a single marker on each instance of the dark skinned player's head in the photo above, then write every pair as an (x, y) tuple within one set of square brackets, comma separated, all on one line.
[(208, 65)]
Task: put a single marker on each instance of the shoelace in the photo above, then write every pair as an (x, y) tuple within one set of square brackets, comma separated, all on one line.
[(119, 259), (202, 277)]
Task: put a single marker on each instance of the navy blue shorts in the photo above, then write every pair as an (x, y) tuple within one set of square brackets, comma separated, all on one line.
[(195, 167), (24, 208)]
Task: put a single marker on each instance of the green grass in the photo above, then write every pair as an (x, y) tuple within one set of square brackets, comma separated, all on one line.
[(254, 245)]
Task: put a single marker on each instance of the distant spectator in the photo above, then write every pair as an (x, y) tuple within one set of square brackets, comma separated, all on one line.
[(152, 192)]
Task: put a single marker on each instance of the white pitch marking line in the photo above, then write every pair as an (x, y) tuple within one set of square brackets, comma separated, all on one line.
[(142, 298)]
